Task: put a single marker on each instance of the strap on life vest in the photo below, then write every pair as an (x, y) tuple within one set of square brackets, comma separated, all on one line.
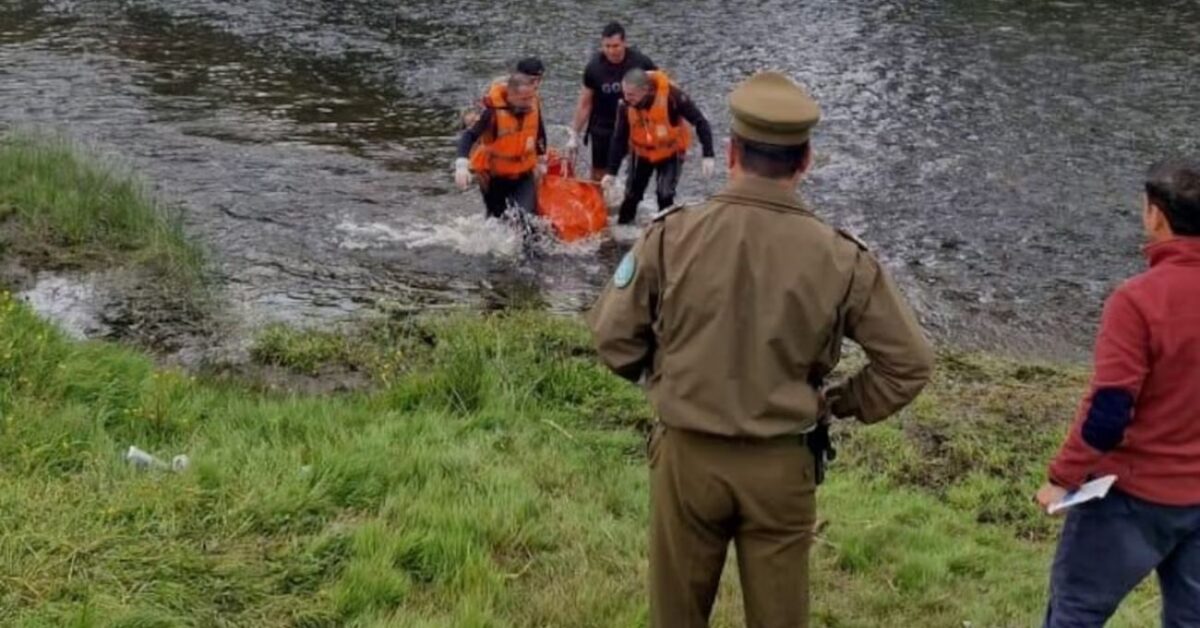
[(651, 134)]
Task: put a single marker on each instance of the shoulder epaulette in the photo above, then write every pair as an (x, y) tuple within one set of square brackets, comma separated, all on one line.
[(667, 212), (853, 238)]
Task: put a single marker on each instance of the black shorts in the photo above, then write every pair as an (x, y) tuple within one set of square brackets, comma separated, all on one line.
[(600, 143)]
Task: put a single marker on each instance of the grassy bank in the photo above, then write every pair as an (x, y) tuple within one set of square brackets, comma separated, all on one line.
[(61, 208), (491, 475), (484, 471)]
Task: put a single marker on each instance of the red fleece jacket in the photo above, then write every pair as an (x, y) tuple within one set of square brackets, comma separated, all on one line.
[(1141, 419)]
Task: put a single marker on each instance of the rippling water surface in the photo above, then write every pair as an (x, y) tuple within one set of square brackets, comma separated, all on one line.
[(990, 151)]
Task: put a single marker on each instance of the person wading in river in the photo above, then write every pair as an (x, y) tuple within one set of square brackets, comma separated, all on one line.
[(503, 149), (650, 125), (1141, 422), (596, 112), (531, 67)]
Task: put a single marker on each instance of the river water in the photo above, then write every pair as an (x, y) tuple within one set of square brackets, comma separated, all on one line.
[(989, 150)]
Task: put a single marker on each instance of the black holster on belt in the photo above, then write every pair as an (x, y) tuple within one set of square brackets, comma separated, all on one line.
[(818, 440), (821, 447)]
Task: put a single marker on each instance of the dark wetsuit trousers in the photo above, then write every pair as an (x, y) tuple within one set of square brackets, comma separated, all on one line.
[(667, 172), (500, 193), (600, 141)]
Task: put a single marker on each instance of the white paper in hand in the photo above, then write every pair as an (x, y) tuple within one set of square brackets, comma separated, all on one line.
[(1096, 489)]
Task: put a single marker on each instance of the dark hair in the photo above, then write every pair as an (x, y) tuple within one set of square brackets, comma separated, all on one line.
[(1173, 186), (531, 66), (611, 29), (517, 82), (770, 160), (637, 77)]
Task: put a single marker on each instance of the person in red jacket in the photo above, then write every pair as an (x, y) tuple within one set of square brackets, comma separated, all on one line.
[(1141, 422)]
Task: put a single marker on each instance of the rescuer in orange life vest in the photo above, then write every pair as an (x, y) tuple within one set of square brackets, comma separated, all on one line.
[(650, 125), (529, 66), (504, 147)]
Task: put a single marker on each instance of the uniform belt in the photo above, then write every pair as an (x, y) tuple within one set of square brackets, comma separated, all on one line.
[(800, 438)]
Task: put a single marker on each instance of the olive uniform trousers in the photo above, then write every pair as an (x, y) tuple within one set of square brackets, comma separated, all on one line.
[(706, 491)]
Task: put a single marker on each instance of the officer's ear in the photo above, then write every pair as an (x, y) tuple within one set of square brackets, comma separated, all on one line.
[(731, 152), (806, 161)]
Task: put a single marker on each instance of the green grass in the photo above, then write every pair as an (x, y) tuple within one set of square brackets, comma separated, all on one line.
[(61, 206), (980, 437), (309, 352), (491, 476)]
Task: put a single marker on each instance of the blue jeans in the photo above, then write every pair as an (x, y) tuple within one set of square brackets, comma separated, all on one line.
[(1108, 546)]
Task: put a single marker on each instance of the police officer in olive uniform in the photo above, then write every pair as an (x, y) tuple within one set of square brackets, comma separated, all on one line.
[(733, 312)]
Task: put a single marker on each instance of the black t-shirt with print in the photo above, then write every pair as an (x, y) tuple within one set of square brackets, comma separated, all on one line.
[(604, 79)]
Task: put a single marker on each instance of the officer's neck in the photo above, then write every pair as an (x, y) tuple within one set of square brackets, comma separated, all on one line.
[(737, 174)]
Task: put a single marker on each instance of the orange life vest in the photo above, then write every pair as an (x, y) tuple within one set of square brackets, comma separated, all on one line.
[(497, 93), (510, 149), (651, 135)]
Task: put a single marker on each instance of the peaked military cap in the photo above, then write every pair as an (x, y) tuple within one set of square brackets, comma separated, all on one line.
[(771, 108)]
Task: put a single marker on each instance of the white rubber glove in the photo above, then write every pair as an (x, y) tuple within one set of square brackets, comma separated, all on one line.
[(610, 188), (462, 173), (539, 170), (607, 182), (572, 144), (708, 167)]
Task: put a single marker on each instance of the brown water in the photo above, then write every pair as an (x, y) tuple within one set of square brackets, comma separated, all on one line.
[(990, 151)]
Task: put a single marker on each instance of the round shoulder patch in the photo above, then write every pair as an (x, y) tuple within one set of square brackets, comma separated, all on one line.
[(625, 271)]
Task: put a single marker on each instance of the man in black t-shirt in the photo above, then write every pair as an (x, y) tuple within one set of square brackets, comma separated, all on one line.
[(596, 114)]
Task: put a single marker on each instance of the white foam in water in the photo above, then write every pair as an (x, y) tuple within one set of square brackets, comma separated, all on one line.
[(469, 235), (625, 233), (72, 302), (365, 236), (586, 247), (473, 235)]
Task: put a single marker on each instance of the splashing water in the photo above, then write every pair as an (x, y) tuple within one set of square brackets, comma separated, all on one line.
[(514, 235), (468, 235), (625, 233)]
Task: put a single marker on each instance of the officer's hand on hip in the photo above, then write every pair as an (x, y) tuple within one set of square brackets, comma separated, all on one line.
[(829, 399), (708, 167), (462, 174)]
